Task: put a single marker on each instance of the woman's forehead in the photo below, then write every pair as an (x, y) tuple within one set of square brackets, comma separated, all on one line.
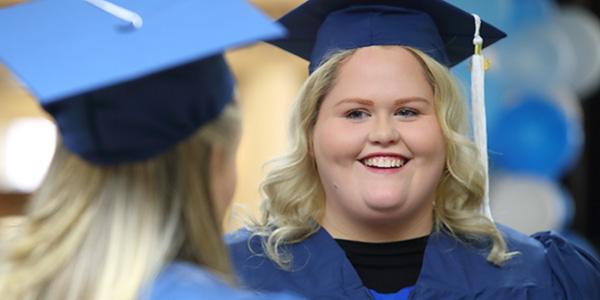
[(372, 73)]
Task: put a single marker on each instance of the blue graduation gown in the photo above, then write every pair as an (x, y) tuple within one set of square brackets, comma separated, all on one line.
[(548, 267), (182, 281)]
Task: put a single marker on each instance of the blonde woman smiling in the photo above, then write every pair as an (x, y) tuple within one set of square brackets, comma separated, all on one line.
[(381, 193)]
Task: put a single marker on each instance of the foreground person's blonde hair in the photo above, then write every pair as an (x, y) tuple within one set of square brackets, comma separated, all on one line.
[(294, 199), (104, 232)]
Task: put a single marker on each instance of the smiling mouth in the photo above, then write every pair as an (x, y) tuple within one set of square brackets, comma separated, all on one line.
[(384, 162)]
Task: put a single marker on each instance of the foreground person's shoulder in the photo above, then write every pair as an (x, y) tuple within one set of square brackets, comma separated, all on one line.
[(182, 281)]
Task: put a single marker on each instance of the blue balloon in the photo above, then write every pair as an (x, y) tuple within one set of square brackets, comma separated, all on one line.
[(529, 12), (521, 60), (509, 15), (535, 137)]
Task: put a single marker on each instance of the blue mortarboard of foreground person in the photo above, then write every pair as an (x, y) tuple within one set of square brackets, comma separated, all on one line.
[(125, 80)]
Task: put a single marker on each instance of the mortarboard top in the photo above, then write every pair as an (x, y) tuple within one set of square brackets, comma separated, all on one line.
[(318, 27), (122, 93)]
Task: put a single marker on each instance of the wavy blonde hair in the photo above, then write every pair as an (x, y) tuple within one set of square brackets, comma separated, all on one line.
[(104, 232), (294, 199)]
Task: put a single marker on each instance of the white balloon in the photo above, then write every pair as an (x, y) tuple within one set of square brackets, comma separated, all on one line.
[(582, 31), (528, 204), (568, 102), (539, 56)]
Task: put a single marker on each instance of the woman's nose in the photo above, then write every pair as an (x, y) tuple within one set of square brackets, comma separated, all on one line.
[(384, 132)]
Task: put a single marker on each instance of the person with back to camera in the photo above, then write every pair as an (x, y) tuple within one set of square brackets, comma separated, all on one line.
[(381, 193), (132, 204)]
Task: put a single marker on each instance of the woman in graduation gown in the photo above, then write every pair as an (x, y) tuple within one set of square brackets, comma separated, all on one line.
[(381, 193), (132, 204)]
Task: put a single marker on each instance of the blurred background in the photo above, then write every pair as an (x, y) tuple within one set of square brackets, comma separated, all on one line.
[(542, 101)]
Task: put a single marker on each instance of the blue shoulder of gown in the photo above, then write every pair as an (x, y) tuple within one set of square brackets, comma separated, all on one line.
[(454, 270), (576, 272), (319, 269), (181, 281)]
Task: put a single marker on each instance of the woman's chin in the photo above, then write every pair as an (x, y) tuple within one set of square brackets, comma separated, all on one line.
[(384, 206)]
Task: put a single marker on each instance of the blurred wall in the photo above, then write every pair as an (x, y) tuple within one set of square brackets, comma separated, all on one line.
[(268, 80)]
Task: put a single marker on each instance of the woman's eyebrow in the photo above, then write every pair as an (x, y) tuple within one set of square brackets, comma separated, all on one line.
[(367, 102), (411, 99), (361, 101)]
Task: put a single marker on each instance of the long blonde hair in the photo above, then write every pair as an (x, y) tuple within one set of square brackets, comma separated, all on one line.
[(104, 232), (294, 198)]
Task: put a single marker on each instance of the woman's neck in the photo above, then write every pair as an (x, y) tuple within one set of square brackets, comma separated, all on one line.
[(378, 230)]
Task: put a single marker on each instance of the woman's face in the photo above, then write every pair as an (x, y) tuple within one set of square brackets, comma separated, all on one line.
[(378, 146)]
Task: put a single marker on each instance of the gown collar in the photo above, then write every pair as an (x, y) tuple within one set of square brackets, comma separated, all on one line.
[(331, 255)]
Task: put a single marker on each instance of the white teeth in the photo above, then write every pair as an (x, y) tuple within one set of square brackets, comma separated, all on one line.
[(384, 162)]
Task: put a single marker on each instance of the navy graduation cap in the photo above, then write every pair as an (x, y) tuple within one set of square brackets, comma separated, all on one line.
[(319, 27), (126, 80)]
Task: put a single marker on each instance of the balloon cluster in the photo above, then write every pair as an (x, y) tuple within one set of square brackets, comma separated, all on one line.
[(550, 58)]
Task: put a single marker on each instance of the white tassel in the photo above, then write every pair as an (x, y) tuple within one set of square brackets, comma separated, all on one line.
[(478, 110), (124, 14)]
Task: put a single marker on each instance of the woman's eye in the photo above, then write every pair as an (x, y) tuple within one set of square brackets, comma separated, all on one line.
[(407, 112), (356, 114)]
